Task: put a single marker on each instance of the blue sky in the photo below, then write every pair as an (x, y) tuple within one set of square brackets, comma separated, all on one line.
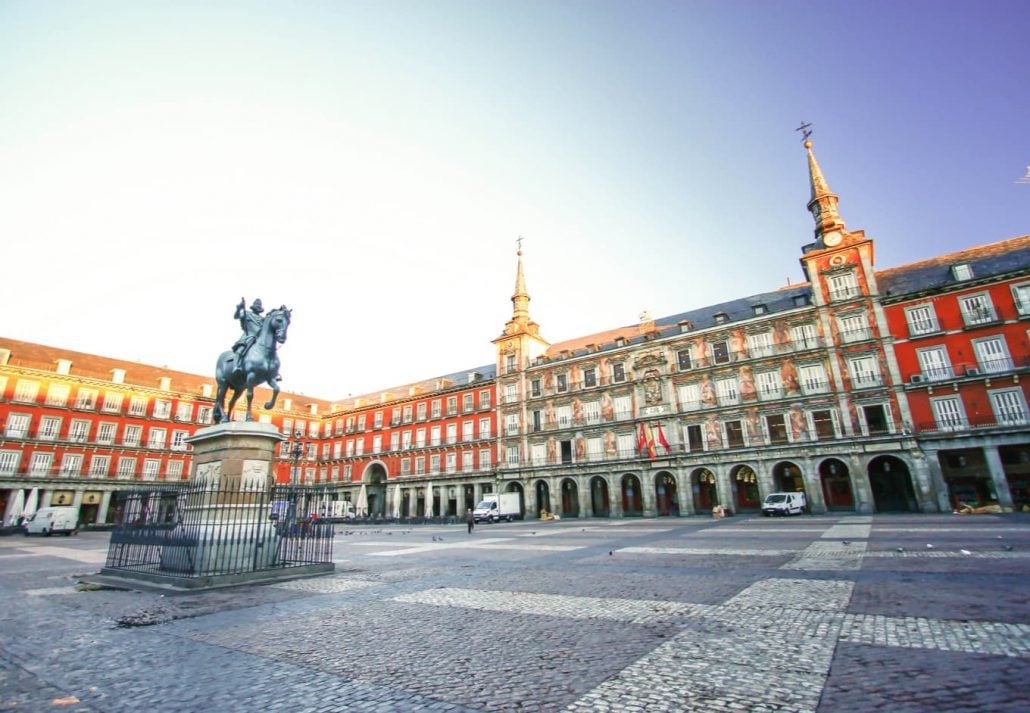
[(372, 164)]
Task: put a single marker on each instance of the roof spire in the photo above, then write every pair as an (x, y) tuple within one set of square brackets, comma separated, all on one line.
[(520, 300), (823, 204)]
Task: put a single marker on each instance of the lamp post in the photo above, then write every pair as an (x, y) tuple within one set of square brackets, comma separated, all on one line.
[(296, 451)]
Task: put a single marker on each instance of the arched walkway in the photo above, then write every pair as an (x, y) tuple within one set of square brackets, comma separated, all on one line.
[(632, 505), (569, 498), (376, 490), (666, 494), (745, 489), (702, 485), (543, 497), (517, 488), (838, 492), (599, 500), (891, 483)]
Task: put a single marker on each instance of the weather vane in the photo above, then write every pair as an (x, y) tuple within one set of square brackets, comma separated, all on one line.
[(805, 131), (519, 241)]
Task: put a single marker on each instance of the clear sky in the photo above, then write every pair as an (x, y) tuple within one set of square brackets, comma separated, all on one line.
[(371, 164)]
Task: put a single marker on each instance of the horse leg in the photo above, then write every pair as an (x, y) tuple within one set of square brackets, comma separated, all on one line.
[(219, 414), (236, 393), (250, 398), (275, 392)]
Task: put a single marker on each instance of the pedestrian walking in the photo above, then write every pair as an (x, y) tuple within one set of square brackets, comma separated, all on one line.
[(469, 520)]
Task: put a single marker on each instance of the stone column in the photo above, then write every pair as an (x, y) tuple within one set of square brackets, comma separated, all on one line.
[(648, 496), (860, 484), (684, 492), (105, 504), (813, 487), (924, 483), (1001, 483), (724, 489)]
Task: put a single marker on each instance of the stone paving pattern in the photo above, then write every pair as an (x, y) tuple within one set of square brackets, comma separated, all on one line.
[(797, 614)]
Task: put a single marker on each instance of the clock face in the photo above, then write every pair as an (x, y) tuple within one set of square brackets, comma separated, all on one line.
[(831, 239)]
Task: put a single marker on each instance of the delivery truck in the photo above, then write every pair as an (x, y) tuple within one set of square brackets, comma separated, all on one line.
[(495, 507), (784, 504), (52, 520)]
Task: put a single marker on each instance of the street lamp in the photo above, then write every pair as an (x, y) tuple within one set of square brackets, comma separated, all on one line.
[(296, 452)]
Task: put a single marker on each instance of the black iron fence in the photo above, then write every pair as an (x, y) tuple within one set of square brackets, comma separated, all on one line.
[(199, 530)]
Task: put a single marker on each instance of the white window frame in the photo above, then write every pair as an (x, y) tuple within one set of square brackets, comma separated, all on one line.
[(1009, 406), (921, 319), (993, 360), (26, 391), (138, 406), (57, 395), (934, 363), (862, 377), (49, 428), (112, 402), (949, 413), (977, 309)]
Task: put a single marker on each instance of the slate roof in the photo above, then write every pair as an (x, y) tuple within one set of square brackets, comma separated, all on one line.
[(995, 259)]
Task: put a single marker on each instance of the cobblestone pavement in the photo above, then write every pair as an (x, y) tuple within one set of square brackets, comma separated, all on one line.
[(850, 613)]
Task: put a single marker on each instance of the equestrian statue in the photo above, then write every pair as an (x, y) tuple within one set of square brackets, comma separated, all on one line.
[(252, 359)]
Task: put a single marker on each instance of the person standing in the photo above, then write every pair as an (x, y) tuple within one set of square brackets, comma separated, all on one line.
[(469, 519)]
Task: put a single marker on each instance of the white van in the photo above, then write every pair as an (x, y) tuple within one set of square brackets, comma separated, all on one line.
[(784, 504), (48, 521)]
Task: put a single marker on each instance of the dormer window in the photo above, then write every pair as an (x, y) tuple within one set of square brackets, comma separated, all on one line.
[(620, 341), (721, 318), (760, 309), (962, 272), (685, 326)]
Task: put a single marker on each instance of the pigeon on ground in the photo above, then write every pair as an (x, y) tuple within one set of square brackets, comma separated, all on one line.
[(847, 542), (965, 552), (901, 549), (1008, 548), (929, 546), (609, 553)]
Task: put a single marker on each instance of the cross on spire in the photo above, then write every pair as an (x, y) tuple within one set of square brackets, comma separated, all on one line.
[(805, 129)]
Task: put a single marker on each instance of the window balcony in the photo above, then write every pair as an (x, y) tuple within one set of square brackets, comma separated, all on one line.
[(850, 336), (865, 381), (845, 293), (919, 327), (978, 317)]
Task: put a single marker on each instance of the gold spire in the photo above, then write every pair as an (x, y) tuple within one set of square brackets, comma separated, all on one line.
[(520, 300), (823, 204)]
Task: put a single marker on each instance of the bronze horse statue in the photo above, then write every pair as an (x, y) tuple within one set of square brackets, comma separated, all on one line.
[(260, 365)]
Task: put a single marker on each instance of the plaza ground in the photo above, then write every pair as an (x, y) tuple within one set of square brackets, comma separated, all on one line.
[(852, 613)]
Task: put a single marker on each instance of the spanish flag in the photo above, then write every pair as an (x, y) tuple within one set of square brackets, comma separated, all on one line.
[(650, 442)]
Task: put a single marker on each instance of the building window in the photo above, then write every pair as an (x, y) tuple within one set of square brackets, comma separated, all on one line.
[(813, 379), (435, 410), (132, 435), (512, 455), (452, 405), (511, 424), (87, 399), (760, 309), (689, 396), (992, 356), (721, 318), (1009, 406), (977, 309), (760, 344), (934, 363), (377, 419), (112, 403), (484, 459), (468, 431), (99, 466), (9, 462), (948, 413), (420, 438), (395, 442), (420, 411), (534, 387), (618, 373), (720, 352), (126, 468), (184, 412), (921, 320), (683, 359), (468, 462), (49, 428), (843, 286), (727, 391), (405, 466), (105, 433), (876, 418), (179, 440), (770, 385), (467, 403), (57, 395), (1021, 298), (17, 425), (40, 464), (451, 462), (407, 414), (484, 400), (695, 440), (157, 438), (734, 434), (377, 443), (361, 424), (204, 414), (804, 336), (434, 436), (589, 377), (776, 428), (79, 431), (359, 446), (563, 383), (26, 391), (824, 424), (801, 300), (138, 406), (962, 272), (854, 328), (864, 372), (484, 428), (452, 433), (162, 409), (174, 470), (510, 363), (71, 464)]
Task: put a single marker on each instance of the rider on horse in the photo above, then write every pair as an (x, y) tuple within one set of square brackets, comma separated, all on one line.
[(251, 323)]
